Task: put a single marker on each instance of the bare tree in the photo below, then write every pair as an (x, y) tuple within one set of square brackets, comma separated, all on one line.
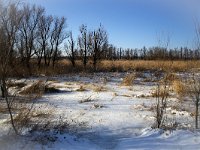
[(44, 32), (28, 32), (70, 49), (97, 40), (58, 37), (83, 44), (8, 30)]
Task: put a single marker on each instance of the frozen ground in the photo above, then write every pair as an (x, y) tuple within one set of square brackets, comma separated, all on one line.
[(107, 116)]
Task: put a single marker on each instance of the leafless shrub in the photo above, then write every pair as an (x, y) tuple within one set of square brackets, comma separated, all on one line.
[(162, 93), (172, 124), (25, 114), (194, 93)]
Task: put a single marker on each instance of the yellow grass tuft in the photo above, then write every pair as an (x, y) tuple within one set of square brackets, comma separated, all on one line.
[(128, 80), (179, 87)]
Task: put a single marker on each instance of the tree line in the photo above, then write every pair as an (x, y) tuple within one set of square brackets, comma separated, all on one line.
[(152, 53), (28, 33)]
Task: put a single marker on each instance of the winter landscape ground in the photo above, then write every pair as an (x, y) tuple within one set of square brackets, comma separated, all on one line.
[(100, 111), (99, 75)]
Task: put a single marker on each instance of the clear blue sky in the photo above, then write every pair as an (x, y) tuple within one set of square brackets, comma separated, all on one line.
[(129, 23)]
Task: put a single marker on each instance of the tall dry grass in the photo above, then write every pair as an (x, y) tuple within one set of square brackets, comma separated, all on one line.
[(142, 65), (65, 67)]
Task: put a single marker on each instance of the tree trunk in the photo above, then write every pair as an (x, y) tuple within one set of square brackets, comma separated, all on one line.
[(196, 115), (8, 106)]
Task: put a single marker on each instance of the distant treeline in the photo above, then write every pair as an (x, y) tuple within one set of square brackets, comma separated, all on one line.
[(152, 53)]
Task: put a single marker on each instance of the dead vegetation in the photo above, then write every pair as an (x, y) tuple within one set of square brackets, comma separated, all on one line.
[(81, 89), (99, 88), (148, 65), (162, 92), (16, 84), (128, 80), (179, 88), (36, 88), (28, 116), (39, 88), (86, 100)]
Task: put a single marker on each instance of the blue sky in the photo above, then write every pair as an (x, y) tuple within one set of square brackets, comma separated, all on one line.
[(129, 23)]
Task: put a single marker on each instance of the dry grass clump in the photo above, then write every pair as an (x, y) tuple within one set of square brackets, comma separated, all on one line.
[(39, 88), (36, 88), (99, 89), (128, 80), (179, 87), (81, 89), (3, 108), (171, 77), (16, 84), (162, 93)]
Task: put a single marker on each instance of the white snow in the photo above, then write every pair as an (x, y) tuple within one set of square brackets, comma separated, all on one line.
[(118, 117)]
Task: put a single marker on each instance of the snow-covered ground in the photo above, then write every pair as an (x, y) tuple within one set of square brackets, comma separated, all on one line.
[(107, 116)]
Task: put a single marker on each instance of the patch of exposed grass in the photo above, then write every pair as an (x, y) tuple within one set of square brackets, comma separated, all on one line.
[(162, 93), (128, 80), (16, 84), (99, 89), (36, 88), (179, 87), (39, 88), (81, 89)]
